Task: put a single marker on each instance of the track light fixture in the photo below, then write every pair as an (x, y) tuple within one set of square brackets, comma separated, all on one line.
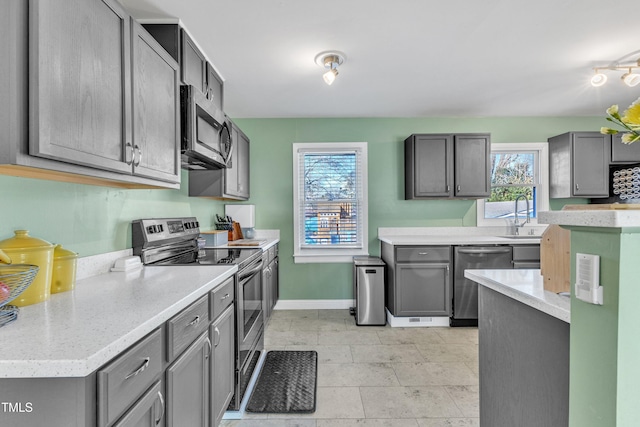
[(331, 60), (630, 78)]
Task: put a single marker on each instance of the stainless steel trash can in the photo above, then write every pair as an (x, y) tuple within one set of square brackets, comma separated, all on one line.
[(368, 289)]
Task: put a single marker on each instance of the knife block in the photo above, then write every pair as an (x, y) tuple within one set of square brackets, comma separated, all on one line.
[(236, 232)]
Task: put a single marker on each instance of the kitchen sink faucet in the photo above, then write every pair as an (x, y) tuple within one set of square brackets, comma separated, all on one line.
[(516, 221)]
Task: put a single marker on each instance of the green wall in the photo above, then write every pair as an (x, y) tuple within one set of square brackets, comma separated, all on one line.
[(604, 369), (92, 220)]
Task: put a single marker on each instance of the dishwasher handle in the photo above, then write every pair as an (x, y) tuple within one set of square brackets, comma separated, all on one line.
[(498, 250)]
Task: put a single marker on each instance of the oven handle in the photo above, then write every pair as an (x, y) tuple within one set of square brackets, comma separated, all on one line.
[(245, 275)]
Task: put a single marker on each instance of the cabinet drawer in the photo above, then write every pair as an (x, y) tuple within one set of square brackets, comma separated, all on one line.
[(222, 297), (423, 254), (526, 252), (122, 381), (184, 328)]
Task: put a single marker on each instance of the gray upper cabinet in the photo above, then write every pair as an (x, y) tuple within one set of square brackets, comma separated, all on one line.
[(624, 153), (195, 70), (579, 165), (447, 165), (80, 88), (99, 93), (193, 63), (156, 103)]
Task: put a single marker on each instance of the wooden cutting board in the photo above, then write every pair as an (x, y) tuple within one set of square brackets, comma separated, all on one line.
[(246, 242)]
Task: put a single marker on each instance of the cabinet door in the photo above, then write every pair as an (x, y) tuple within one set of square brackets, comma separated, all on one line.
[(237, 172), (192, 64), (590, 164), (80, 83), (472, 165), (214, 87), (188, 386), (156, 126), (624, 153), (266, 290), (423, 290), (147, 412), (428, 165), (222, 335)]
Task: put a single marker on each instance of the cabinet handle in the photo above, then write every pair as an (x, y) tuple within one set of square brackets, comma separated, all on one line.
[(161, 398), (217, 339), (448, 188), (458, 188), (577, 187), (423, 253), (137, 148), (142, 367), (210, 348), (195, 321), (129, 147), (224, 297)]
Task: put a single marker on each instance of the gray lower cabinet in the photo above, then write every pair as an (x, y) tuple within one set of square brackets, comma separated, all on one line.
[(149, 411), (447, 166), (222, 337), (418, 280), (270, 279), (526, 256), (188, 386), (102, 96), (579, 165), (524, 364)]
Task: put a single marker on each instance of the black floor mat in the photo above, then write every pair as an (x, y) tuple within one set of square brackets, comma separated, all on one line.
[(286, 384)]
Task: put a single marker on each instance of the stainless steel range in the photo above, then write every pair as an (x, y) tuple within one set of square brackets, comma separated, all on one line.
[(174, 241)]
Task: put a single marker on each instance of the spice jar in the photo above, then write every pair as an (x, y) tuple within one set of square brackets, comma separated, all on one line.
[(24, 249)]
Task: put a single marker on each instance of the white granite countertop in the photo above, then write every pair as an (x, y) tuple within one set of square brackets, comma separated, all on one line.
[(615, 218), (525, 286), (74, 333), (459, 235)]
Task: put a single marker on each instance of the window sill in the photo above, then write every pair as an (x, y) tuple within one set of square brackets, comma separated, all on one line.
[(327, 258)]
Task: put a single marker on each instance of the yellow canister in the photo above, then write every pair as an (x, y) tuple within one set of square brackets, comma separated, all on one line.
[(64, 270), (24, 249)]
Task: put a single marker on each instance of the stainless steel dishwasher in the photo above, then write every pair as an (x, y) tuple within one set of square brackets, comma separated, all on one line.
[(465, 291)]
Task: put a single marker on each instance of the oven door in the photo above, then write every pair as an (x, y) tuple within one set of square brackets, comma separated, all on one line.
[(250, 320)]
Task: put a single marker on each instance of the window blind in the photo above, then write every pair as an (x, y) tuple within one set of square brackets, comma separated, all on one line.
[(331, 196)]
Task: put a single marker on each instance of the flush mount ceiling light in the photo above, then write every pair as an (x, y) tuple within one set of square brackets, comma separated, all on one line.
[(629, 78), (330, 60)]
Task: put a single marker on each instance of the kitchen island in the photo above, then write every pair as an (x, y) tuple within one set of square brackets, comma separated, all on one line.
[(523, 350)]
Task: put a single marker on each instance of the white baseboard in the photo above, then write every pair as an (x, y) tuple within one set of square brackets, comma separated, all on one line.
[(416, 322), (314, 304)]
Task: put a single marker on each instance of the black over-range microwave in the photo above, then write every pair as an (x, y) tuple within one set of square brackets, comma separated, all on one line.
[(206, 133)]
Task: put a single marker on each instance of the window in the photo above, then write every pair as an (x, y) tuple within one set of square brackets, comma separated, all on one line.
[(516, 170), (330, 201)]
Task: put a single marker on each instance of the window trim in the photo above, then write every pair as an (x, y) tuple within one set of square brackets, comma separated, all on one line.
[(329, 254), (542, 189)]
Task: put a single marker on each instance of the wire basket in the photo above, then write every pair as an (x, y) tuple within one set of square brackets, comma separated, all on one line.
[(14, 279), (17, 277)]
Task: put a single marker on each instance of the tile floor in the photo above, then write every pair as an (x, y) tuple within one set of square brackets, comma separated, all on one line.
[(375, 376)]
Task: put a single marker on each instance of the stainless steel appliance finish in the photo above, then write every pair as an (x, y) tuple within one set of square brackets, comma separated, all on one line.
[(465, 291), (206, 134), (173, 241), (368, 280)]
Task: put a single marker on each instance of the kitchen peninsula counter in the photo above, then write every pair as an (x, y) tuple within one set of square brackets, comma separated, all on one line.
[(526, 287), (459, 235), (523, 347), (75, 333)]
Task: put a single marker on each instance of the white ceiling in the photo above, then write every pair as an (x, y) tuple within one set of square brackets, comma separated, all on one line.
[(412, 58)]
